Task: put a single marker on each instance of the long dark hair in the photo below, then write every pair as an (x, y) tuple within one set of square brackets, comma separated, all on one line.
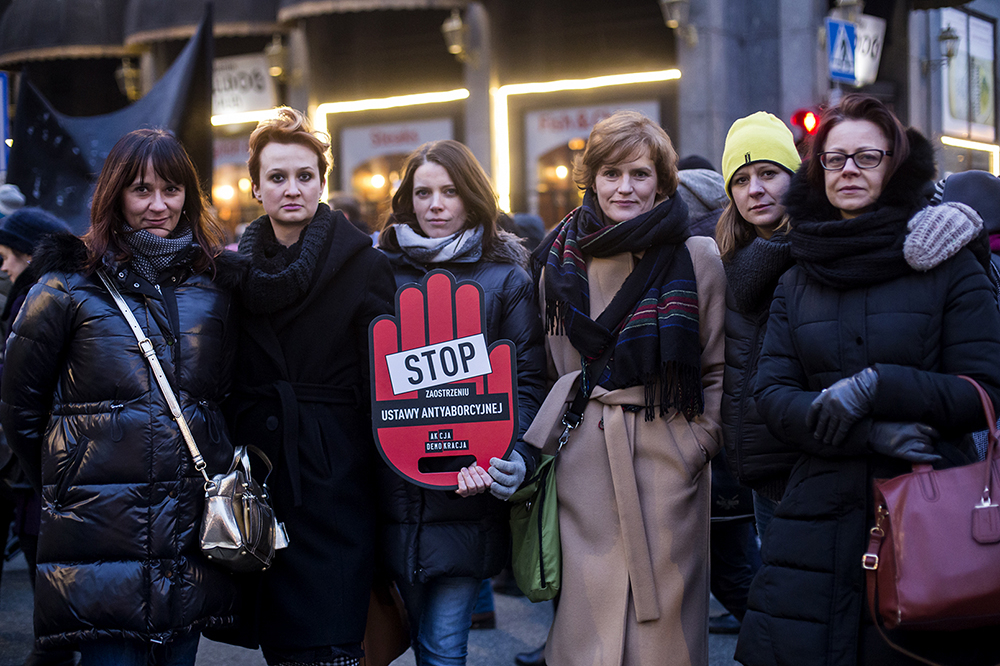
[(470, 180), (129, 158)]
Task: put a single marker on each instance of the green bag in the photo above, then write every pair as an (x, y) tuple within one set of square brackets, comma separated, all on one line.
[(534, 527)]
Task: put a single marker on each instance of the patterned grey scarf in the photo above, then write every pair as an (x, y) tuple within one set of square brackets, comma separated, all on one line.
[(151, 254), (465, 246)]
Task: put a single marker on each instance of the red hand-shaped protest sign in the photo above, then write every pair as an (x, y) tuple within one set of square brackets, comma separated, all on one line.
[(440, 399)]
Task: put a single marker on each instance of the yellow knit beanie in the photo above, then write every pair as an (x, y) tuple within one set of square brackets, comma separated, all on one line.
[(759, 136)]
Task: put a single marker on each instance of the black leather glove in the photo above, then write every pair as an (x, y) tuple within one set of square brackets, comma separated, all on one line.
[(842, 405), (909, 441)]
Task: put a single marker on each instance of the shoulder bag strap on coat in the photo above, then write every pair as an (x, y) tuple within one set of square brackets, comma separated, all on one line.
[(147, 349)]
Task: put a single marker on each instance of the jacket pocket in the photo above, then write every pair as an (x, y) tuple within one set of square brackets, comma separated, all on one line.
[(69, 467)]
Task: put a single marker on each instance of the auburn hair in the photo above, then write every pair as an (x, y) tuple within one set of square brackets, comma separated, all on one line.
[(288, 125)]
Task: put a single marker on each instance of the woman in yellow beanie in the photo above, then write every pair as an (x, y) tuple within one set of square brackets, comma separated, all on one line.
[(757, 165)]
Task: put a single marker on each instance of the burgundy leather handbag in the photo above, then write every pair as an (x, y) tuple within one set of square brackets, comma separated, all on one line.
[(933, 561)]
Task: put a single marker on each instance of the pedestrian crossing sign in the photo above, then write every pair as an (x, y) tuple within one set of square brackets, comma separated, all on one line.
[(841, 40)]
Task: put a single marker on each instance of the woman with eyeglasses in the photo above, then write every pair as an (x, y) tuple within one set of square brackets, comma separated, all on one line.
[(858, 372)]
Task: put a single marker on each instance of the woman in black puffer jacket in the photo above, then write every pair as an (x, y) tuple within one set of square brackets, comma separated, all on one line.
[(859, 373), (444, 215), (120, 572)]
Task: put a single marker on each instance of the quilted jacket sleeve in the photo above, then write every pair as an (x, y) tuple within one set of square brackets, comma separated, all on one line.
[(35, 354), (970, 345), (783, 396)]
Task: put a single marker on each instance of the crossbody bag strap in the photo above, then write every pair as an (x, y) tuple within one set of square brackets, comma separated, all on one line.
[(574, 413), (147, 349)]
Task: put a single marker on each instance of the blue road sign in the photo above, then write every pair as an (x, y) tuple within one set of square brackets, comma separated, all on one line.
[(841, 40)]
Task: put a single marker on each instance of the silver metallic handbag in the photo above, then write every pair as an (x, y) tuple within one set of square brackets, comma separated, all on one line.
[(238, 528)]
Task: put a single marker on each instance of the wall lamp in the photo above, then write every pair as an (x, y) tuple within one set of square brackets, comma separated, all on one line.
[(675, 16), (947, 45), (129, 78), (456, 37), (276, 55)]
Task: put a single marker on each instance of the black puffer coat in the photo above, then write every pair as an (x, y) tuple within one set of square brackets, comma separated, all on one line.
[(431, 533), (756, 457), (118, 550), (918, 331)]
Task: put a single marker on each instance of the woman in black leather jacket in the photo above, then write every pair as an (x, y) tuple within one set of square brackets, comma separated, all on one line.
[(438, 546), (119, 571)]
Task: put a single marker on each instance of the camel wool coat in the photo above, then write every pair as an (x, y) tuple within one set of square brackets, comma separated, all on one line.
[(634, 497)]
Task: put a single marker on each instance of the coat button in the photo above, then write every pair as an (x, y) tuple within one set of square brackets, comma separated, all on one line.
[(122, 275), (172, 493), (860, 341), (271, 423), (135, 285)]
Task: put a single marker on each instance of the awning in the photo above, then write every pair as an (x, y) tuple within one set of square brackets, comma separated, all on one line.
[(31, 30), (296, 9), (149, 21)]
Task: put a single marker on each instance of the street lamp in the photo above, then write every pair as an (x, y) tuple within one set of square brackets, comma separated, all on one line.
[(947, 45)]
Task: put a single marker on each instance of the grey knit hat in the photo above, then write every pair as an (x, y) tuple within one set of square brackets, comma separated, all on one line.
[(10, 199), (22, 229)]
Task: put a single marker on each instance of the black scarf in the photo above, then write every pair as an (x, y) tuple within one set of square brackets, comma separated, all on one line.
[(753, 272), (655, 312), (152, 254), (279, 276), (845, 254), (868, 249)]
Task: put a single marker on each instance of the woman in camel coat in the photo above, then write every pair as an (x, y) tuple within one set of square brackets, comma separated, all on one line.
[(634, 493)]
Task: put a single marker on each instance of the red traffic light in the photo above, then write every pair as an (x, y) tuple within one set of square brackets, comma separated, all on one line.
[(806, 119)]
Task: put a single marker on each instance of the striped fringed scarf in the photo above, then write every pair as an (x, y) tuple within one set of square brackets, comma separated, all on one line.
[(655, 312)]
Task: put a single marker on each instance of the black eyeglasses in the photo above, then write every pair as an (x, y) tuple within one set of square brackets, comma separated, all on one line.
[(863, 159)]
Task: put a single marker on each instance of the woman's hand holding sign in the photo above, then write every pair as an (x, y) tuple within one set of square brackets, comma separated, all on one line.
[(442, 401)]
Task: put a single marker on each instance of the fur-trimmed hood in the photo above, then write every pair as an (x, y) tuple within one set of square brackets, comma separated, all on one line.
[(67, 253), (906, 189)]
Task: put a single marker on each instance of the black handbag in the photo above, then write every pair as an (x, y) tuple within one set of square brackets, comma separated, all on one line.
[(238, 529)]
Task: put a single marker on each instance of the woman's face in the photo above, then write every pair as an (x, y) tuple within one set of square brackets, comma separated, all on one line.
[(852, 190), (152, 203), (757, 189), (14, 262), (627, 189), (290, 186), (439, 209)]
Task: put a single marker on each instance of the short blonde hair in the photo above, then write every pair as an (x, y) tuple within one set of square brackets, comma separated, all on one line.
[(623, 136), (288, 126)]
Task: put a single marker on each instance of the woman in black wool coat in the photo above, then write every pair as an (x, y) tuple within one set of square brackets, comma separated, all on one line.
[(858, 372), (301, 394)]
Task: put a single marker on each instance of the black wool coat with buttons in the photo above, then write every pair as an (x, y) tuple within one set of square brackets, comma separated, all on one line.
[(302, 396), (806, 604), (118, 553)]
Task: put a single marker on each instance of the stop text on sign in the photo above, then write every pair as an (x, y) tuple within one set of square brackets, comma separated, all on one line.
[(441, 363)]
